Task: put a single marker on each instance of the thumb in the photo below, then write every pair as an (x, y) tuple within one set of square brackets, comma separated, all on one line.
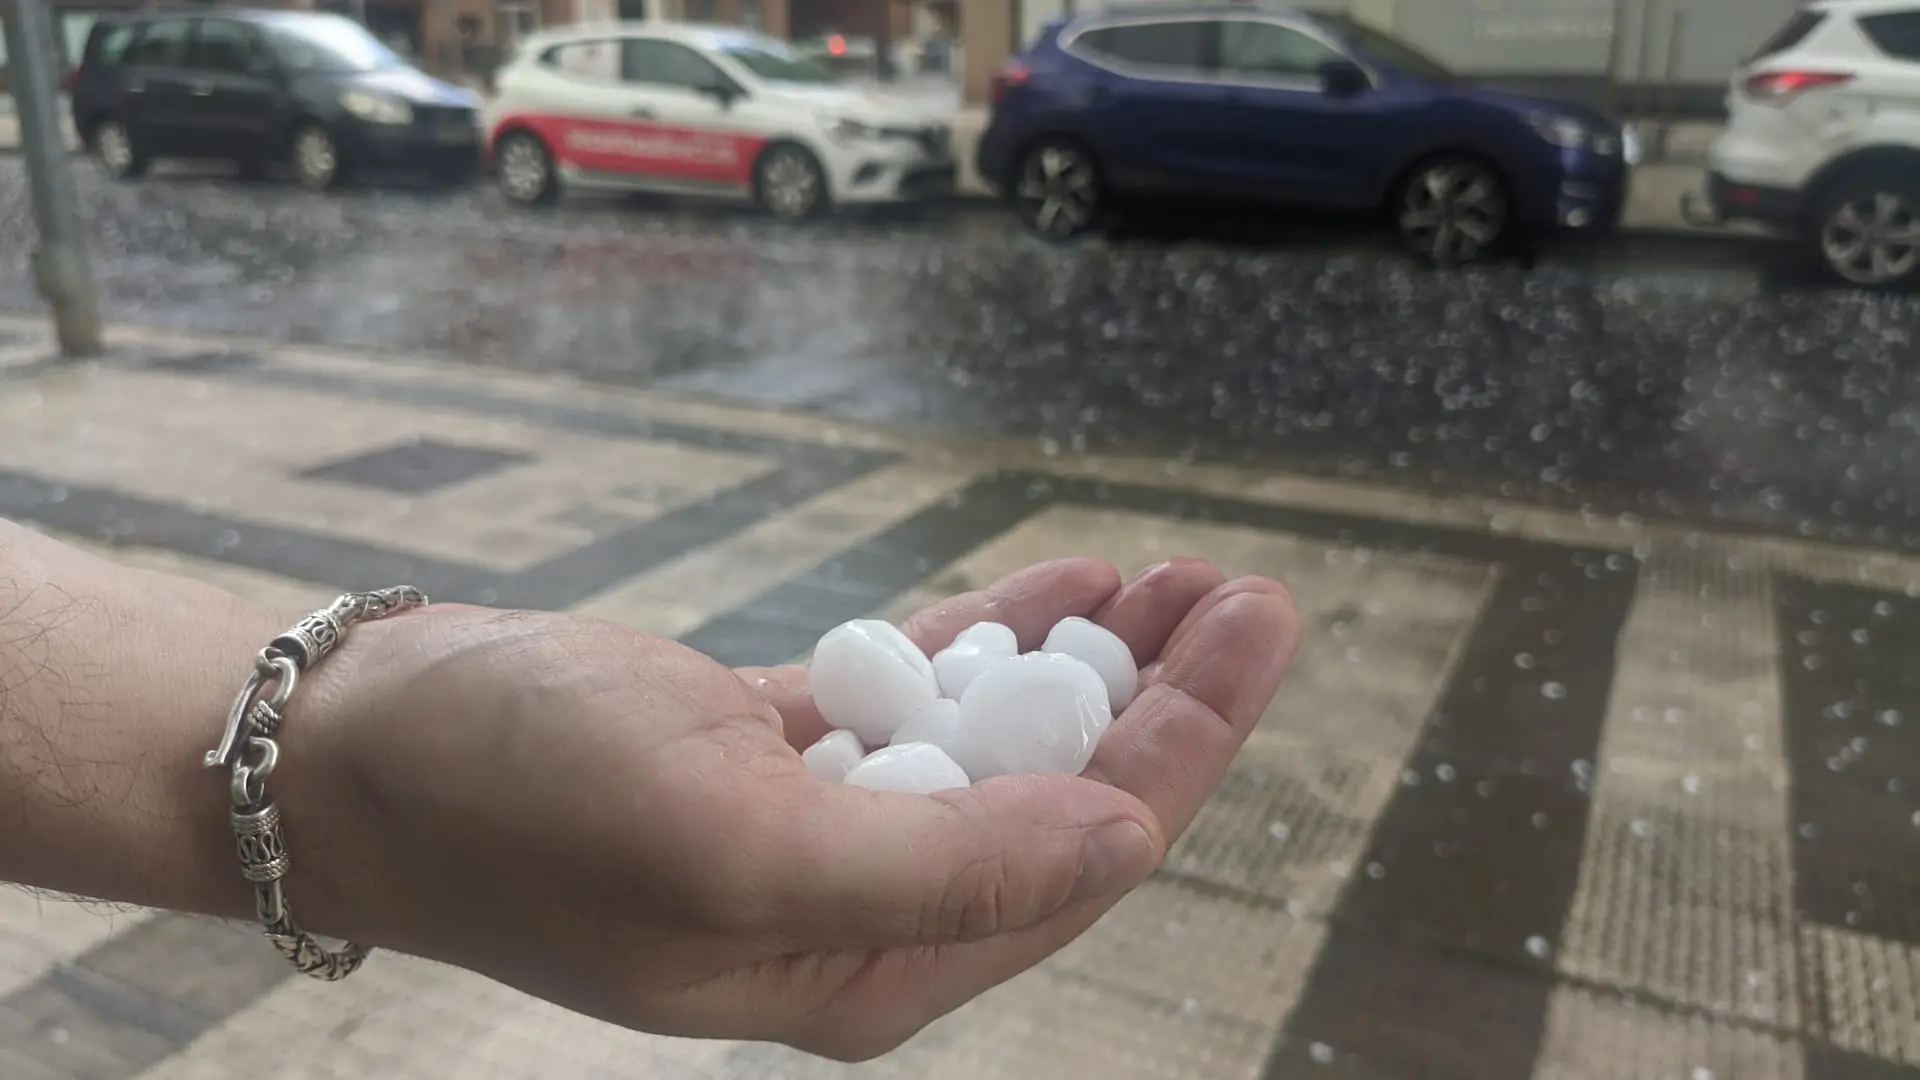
[(883, 869)]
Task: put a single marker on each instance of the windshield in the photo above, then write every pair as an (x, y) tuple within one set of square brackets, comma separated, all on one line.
[(1393, 52), (776, 63), (329, 44)]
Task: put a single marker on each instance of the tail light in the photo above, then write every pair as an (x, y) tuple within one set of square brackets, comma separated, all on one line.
[(70, 81), (1012, 74), (1779, 86), (836, 45)]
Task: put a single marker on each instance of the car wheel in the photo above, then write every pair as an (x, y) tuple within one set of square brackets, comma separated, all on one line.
[(1867, 232), (789, 183), (524, 170), (1057, 190), (1451, 211), (316, 159), (118, 153)]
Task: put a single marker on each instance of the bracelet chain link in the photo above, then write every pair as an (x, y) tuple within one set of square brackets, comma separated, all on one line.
[(249, 750)]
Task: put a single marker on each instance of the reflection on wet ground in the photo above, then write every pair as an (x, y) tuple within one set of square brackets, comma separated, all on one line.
[(1636, 382)]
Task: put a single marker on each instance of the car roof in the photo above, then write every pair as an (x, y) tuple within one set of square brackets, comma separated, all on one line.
[(706, 35), (1173, 7), (1857, 7), (197, 10)]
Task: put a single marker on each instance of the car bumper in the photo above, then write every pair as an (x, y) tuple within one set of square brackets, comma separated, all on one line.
[(863, 180), (442, 151), (1733, 200)]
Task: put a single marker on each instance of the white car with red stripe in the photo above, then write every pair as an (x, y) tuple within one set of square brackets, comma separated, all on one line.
[(704, 110)]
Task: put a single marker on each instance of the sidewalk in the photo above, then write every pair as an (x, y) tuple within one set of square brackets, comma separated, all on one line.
[(1523, 809)]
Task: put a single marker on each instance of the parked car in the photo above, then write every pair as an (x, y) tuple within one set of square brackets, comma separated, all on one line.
[(1823, 139), (312, 90), (704, 110), (1247, 100)]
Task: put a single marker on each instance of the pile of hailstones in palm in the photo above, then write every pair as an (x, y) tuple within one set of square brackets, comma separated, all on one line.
[(979, 708)]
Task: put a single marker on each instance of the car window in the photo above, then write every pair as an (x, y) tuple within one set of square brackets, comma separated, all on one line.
[(1269, 49), (222, 45), (665, 63), (1793, 33), (163, 44), (107, 44), (1896, 33), (1178, 45), (595, 60)]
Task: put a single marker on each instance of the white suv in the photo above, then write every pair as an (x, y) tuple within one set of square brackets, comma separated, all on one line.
[(703, 110), (1823, 138)]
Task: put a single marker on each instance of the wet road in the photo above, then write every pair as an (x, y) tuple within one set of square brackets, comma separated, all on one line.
[(1655, 379)]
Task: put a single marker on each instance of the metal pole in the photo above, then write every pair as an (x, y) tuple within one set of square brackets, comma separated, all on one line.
[(1666, 86), (60, 262), (1647, 26), (1614, 56)]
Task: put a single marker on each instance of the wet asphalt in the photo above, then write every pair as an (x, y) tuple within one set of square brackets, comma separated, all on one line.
[(1666, 378)]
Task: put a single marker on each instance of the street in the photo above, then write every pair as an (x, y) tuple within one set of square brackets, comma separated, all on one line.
[(1661, 377), (1597, 762)]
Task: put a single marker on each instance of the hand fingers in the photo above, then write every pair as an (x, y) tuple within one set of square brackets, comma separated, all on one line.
[(1145, 612), (1173, 746), (859, 869), (1170, 750), (1029, 601)]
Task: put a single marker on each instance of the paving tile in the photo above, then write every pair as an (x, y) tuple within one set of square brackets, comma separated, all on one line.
[(415, 467)]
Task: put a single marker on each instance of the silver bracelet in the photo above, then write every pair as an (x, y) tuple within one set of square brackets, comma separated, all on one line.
[(248, 749)]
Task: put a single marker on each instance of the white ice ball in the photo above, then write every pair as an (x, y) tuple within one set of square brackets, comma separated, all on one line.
[(938, 724), (834, 755), (1037, 713), (867, 677), (978, 647), (915, 768), (1103, 651)]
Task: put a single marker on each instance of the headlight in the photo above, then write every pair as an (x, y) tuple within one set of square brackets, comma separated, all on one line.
[(846, 130), (375, 109), (1561, 131)]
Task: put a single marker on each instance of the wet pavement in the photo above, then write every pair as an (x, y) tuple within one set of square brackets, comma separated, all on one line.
[(1663, 378), (1598, 762)]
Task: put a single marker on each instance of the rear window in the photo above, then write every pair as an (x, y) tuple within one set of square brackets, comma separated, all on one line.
[(1792, 34), (107, 44), (1156, 45), (1896, 33)]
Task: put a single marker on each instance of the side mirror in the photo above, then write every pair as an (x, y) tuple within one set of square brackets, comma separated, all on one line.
[(723, 91), (1343, 78)]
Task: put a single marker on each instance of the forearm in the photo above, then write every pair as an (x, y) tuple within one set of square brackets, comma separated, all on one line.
[(113, 683)]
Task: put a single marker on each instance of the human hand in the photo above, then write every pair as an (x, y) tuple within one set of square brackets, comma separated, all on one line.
[(620, 825)]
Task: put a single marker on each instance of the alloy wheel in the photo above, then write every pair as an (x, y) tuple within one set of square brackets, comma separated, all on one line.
[(315, 159), (115, 147), (1872, 239), (1058, 191), (790, 183), (524, 169), (1453, 212)]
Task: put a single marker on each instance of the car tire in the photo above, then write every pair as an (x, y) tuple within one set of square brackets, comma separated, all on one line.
[(120, 155), (1865, 230), (1452, 210), (789, 183), (523, 170), (317, 164), (1058, 192)]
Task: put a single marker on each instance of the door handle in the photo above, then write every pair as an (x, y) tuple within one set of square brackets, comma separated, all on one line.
[(200, 89), (642, 114), (136, 87)]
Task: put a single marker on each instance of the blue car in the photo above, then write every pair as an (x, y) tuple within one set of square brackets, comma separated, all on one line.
[(1248, 101)]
